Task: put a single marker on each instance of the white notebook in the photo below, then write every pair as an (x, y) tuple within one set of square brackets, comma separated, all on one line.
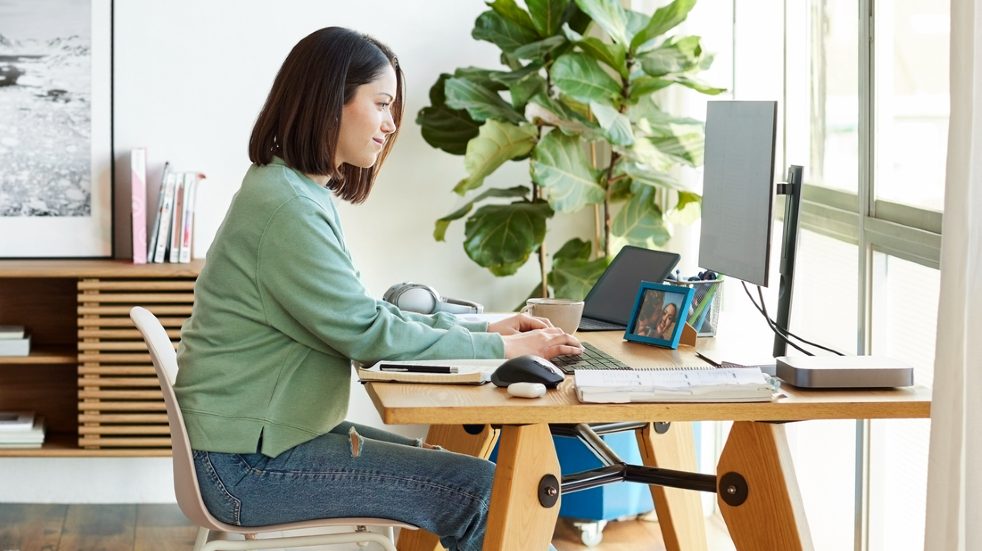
[(674, 385)]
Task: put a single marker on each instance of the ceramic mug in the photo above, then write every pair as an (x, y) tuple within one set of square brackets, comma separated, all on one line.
[(564, 313)]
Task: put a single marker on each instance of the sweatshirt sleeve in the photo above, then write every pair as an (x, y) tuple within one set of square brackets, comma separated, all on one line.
[(311, 291), (444, 320)]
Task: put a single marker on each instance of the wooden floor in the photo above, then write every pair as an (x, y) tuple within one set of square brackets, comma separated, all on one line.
[(33, 527)]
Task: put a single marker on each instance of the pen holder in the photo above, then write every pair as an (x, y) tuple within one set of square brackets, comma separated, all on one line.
[(707, 299)]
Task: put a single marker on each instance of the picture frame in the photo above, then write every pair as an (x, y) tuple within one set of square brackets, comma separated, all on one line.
[(56, 190), (659, 314)]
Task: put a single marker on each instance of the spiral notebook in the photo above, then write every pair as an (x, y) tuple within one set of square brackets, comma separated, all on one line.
[(683, 384)]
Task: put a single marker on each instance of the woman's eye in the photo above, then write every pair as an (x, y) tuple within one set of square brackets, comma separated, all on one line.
[(383, 105)]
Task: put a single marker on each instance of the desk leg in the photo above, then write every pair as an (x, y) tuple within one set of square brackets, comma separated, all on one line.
[(680, 516), (771, 515), (517, 519), (456, 439)]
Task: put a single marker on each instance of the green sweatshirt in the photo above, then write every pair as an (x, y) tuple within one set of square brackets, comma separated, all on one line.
[(279, 312)]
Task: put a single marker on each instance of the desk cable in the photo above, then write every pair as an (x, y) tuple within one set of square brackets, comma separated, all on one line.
[(780, 331)]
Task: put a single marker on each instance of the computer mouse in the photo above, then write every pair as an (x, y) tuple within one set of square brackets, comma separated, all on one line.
[(527, 390), (527, 369)]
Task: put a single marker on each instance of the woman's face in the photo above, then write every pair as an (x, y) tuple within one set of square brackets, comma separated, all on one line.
[(366, 121)]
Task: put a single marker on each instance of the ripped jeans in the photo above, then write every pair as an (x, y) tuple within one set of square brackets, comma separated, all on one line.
[(353, 471)]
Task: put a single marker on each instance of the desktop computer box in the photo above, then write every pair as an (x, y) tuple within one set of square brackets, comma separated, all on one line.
[(843, 372)]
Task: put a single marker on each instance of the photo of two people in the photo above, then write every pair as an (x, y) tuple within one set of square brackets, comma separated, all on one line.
[(659, 313)]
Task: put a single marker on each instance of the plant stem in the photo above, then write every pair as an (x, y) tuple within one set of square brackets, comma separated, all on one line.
[(544, 289)]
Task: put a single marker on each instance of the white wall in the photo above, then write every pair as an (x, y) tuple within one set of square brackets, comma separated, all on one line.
[(190, 78)]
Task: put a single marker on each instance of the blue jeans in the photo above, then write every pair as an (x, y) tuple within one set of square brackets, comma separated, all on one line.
[(353, 471)]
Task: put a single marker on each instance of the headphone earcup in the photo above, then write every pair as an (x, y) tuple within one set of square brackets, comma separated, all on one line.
[(418, 298)]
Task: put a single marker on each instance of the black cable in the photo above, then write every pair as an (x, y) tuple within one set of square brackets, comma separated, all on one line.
[(771, 324), (760, 293), (780, 331)]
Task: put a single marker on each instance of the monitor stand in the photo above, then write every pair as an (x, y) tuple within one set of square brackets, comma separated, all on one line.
[(789, 246)]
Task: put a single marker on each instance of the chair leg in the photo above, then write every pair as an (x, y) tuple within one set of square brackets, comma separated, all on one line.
[(201, 540)]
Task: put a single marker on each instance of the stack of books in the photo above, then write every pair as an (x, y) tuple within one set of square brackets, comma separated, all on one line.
[(170, 237), (21, 429), (14, 341)]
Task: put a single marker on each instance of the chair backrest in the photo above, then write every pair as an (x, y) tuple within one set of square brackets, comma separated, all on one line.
[(165, 364)]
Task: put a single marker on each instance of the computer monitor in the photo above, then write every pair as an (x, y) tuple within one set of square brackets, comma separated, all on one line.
[(738, 189)]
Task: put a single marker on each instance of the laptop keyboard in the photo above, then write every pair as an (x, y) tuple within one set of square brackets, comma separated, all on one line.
[(591, 358), (588, 324)]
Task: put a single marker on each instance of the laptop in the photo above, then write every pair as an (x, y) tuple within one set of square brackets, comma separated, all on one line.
[(608, 305)]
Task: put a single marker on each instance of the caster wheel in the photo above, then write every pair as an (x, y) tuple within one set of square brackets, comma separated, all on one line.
[(592, 533)]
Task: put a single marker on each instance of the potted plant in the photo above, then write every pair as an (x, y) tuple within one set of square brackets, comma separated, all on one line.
[(577, 99)]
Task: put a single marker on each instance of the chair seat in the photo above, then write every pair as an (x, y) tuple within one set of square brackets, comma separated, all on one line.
[(316, 523)]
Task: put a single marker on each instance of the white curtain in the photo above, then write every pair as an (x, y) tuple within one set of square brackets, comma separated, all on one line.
[(954, 493)]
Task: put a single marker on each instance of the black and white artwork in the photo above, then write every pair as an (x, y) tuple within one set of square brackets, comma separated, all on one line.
[(55, 128)]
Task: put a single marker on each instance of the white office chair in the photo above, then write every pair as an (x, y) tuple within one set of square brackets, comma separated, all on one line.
[(186, 481)]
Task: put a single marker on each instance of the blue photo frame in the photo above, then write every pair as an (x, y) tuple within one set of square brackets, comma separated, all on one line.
[(659, 314)]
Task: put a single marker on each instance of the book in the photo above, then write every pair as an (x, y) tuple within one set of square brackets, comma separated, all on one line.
[(16, 347), (702, 384), (27, 438), (191, 180), (16, 421), (177, 218), (472, 372), (152, 246), (138, 203), (166, 213), (11, 332)]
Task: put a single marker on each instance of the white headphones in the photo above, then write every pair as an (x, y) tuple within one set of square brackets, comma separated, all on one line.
[(424, 299)]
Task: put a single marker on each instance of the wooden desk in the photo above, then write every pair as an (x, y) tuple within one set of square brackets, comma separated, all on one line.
[(756, 451)]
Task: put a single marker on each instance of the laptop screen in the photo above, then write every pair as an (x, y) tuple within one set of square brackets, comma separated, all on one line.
[(612, 297)]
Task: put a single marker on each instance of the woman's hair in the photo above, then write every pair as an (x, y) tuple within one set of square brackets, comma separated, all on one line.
[(301, 119)]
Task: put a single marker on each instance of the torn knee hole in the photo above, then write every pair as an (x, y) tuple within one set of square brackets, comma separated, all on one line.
[(356, 442)]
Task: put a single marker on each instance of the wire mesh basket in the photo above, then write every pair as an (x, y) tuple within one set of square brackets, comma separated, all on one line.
[(707, 300)]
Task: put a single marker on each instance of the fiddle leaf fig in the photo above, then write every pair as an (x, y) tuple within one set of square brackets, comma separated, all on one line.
[(577, 97), (561, 168), (440, 228), (502, 237), (495, 143), (580, 77)]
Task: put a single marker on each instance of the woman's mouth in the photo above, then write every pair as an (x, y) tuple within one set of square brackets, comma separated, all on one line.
[(379, 141)]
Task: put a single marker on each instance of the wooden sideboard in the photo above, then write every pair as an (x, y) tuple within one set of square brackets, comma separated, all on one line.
[(89, 373)]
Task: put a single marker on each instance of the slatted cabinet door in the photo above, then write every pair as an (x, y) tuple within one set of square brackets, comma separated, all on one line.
[(120, 403)]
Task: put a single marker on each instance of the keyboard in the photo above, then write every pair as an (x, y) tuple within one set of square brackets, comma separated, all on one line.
[(591, 358)]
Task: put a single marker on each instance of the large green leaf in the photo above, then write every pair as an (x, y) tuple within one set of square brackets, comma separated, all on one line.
[(644, 86), (440, 228), (553, 112), (687, 210), (503, 33), (481, 103), (614, 55), (502, 237), (663, 20), (509, 10), (675, 55), (573, 273), (486, 78), (445, 128), (561, 168), (580, 77), (640, 222), (496, 142), (538, 49), (523, 90), (636, 22), (685, 144), (617, 127), (698, 86), (646, 175), (609, 15), (547, 15)]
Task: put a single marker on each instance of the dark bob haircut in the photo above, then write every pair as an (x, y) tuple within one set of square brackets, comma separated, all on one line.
[(300, 121)]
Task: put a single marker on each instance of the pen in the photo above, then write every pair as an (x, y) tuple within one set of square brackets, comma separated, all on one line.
[(418, 368)]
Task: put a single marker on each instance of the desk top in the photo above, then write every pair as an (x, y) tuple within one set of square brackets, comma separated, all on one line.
[(461, 404)]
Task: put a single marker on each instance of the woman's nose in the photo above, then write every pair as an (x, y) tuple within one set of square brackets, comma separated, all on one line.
[(388, 125)]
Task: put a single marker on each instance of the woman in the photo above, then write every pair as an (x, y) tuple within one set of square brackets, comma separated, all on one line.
[(280, 312)]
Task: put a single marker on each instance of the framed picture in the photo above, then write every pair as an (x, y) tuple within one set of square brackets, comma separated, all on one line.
[(56, 128), (659, 314)]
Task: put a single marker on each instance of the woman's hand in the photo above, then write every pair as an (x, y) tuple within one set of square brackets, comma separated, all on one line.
[(547, 343), (519, 323)]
